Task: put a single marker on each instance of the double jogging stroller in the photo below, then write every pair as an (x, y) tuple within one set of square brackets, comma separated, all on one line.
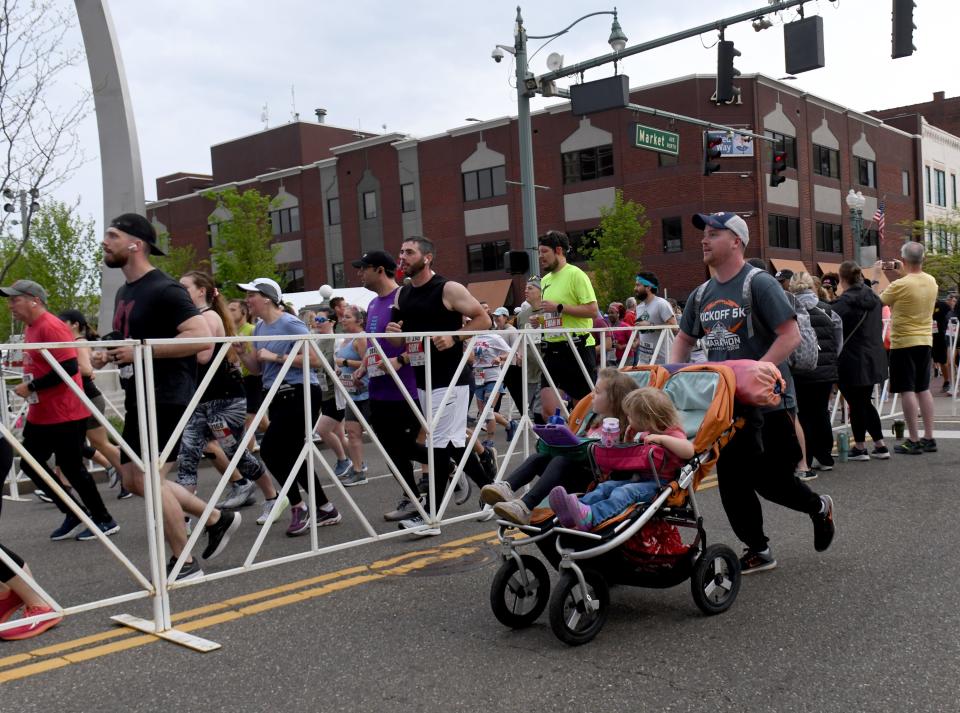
[(641, 546)]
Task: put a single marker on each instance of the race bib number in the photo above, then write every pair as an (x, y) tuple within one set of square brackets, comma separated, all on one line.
[(611, 356), (479, 376), (551, 320), (374, 363), (348, 383), (415, 351)]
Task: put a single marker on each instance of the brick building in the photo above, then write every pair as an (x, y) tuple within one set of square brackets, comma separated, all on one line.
[(339, 194)]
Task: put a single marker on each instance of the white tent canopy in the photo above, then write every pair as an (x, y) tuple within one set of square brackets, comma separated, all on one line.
[(359, 296)]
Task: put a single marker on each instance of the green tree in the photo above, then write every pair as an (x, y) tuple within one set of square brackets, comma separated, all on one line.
[(179, 260), (242, 249), (63, 254), (941, 236), (616, 257)]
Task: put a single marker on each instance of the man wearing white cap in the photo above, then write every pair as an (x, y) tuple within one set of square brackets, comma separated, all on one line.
[(760, 458)]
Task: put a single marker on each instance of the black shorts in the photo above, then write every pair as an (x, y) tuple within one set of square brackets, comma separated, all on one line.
[(939, 351), (565, 370), (363, 407), (910, 369), (168, 415), (253, 385), (329, 408), (100, 404)]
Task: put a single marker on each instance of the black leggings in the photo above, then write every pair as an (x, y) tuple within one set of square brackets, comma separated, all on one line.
[(863, 416), (813, 410), (553, 471), (397, 427), (284, 439), (6, 460)]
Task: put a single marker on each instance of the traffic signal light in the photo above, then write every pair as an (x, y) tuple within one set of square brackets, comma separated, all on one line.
[(711, 150), (903, 28), (778, 163), (726, 72)]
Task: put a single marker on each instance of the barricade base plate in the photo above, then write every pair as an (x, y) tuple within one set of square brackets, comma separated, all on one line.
[(177, 637)]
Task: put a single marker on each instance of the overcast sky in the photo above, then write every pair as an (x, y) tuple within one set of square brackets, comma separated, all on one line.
[(200, 73)]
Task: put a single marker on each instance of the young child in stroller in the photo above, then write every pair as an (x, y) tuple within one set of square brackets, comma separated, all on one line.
[(651, 414)]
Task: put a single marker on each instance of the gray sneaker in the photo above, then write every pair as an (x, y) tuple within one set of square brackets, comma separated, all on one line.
[(496, 493), (514, 511), (237, 495), (341, 467), (355, 477), (405, 509), (462, 490), (268, 507), (415, 522)]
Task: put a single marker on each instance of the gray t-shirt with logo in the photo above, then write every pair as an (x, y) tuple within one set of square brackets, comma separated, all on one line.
[(722, 326)]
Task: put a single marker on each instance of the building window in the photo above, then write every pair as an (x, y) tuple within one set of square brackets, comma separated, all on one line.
[(905, 181), (408, 199), (866, 172), (927, 183), (869, 238), (941, 187), (485, 183), (213, 232), (484, 257), (953, 187), (672, 235), (333, 211), (339, 279), (829, 238), (286, 220), (370, 205), (581, 242), (784, 232), (292, 280), (826, 162), (789, 144), (667, 159), (588, 164)]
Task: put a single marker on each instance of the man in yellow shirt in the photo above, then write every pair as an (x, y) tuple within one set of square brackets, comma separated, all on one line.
[(568, 302), (911, 298)]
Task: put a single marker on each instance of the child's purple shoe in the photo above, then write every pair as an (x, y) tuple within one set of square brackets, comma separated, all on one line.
[(570, 511)]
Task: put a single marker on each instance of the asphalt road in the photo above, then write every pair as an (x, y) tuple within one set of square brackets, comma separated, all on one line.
[(405, 625)]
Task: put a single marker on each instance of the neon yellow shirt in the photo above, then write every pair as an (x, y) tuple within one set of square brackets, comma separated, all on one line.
[(569, 286), (245, 331), (911, 298)]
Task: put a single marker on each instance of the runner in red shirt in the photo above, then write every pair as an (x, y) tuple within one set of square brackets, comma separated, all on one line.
[(56, 418)]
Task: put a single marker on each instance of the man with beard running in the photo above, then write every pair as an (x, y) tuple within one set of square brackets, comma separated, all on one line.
[(152, 305), (431, 303), (652, 311)]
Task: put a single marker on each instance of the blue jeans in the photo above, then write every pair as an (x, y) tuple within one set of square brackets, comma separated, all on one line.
[(614, 496)]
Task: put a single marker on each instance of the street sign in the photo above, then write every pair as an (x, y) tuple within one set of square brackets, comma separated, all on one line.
[(646, 137)]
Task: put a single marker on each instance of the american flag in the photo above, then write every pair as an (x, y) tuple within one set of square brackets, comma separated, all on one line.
[(878, 218)]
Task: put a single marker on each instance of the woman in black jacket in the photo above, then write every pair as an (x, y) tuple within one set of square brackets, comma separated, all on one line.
[(814, 387), (863, 361)]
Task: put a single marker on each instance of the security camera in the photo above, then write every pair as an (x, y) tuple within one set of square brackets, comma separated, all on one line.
[(497, 55)]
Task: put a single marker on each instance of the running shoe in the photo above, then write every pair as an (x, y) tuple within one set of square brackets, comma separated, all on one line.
[(880, 452), (107, 528), (218, 535), (26, 631), (514, 511), (355, 477), (751, 561), (418, 522), (114, 476), (9, 605), (511, 430), (929, 445), (124, 493), (67, 528), (299, 520), (805, 475), (462, 490), (190, 570), (237, 495), (341, 467), (268, 506), (42, 496), (817, 465), (824, 527), (404, 510), (496, 493), (488, 459), (860, 454), (328, 517), (909, 448)]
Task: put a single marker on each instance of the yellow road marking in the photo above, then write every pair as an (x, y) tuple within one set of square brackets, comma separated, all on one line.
[(330, 582)]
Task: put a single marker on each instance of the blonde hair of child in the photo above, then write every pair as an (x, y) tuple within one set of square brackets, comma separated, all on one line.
[(619, 385), (651, 409)]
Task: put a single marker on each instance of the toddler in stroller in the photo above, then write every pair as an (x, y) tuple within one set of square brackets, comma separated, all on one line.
[(663, 445)]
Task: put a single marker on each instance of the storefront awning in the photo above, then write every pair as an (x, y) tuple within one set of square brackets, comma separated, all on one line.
[(794, 266), (493, 292), (827, 267)]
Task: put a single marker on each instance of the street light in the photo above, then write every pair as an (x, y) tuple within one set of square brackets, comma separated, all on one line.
[(855, 202), (526, 88)]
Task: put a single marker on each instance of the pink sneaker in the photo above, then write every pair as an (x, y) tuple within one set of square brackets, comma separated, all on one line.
[(9, 605), (570, 511), (299, 521), (27, 631)]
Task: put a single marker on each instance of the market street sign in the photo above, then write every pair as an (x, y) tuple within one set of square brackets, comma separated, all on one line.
[(656, 140)]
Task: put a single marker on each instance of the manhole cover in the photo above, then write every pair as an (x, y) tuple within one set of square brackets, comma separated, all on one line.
[(476, 560)]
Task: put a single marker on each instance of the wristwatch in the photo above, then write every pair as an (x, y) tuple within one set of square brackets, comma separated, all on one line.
[(559, 309), (457, 340)]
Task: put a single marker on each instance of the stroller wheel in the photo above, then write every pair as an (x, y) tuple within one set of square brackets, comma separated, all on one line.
[(577, 616), (514, 603), (715, 579)]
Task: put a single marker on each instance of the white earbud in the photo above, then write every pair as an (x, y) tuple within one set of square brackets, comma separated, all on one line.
[(132, 248)]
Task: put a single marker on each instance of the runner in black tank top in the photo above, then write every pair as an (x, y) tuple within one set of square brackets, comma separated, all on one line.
[(433, 303)]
